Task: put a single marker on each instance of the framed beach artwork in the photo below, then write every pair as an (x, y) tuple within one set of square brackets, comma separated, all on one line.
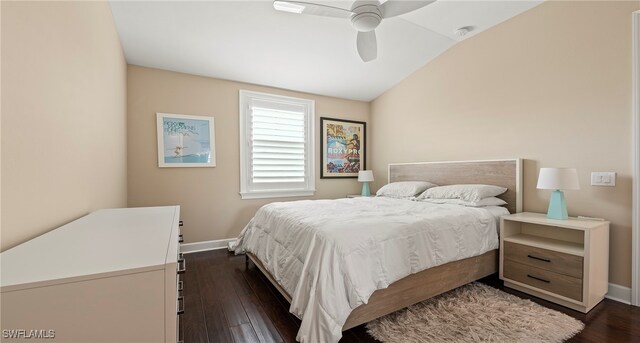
[(185, 140), (343, 148)]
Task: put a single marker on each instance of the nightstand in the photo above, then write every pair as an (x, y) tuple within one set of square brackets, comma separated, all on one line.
[(360, 196), (563, 261)]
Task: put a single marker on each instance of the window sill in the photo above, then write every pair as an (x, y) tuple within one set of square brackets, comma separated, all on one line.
[(277, 194)]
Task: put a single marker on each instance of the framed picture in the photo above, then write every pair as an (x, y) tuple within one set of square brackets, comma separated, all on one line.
[(185, 141), (343, 148)]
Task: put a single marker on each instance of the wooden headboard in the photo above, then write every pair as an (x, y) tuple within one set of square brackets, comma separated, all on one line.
[(504, 173)]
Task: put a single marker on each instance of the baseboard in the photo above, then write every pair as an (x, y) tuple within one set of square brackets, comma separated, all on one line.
[(205, 245), (619, 293)]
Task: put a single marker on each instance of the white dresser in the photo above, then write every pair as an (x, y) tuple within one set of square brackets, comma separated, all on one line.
[(111, 276)]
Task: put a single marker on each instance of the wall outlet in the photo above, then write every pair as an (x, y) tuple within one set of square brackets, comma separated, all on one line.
[(603, 179)]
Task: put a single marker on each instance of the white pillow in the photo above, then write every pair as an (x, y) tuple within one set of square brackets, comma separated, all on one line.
[(404, 189), (473, 193), (490, 201)]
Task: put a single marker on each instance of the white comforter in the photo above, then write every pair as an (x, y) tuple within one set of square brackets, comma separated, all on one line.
[(331, 255)]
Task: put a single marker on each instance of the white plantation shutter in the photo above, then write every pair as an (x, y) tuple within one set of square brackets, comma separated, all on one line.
[(277, 145), (276, 136)]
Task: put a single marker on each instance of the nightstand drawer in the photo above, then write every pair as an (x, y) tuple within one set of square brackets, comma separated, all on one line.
[(564, 285), (554, 261)]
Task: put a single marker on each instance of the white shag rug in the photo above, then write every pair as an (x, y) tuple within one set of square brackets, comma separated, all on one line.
[(475, 313)]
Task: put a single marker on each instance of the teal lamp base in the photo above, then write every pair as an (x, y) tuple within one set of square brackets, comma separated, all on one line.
[(557, 206), (365, 189)]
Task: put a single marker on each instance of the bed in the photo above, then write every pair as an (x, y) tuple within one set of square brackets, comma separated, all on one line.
[(342, 263)]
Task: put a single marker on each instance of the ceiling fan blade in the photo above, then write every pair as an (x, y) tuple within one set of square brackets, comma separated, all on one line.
[(393, 8), (311, 8), (367, 45)]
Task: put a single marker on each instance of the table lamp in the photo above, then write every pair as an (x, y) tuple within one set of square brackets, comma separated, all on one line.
[(557, 179), (365, 176)]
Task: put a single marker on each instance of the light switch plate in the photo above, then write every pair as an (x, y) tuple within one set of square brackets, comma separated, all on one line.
[(603, 179)]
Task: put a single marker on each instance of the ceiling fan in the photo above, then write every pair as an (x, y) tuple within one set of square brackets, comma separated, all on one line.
[(364, 15)]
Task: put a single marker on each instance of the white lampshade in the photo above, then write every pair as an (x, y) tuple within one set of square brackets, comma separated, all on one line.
[(365, 176), (558, 178)]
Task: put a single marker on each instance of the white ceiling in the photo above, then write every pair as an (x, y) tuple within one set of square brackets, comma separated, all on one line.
[(251, 42)]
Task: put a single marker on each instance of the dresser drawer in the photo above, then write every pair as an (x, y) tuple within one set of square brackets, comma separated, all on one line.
[(560, 284), (554, 261)]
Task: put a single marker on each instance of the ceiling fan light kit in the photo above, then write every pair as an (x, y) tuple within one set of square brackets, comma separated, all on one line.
[(365, 22), (365, 17)]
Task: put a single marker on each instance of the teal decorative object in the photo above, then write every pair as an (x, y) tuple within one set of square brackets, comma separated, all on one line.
[(557, 206), (365, 189)]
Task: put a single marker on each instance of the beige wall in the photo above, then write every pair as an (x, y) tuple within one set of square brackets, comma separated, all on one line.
[(210, 203), (552, 86), (63, 115)]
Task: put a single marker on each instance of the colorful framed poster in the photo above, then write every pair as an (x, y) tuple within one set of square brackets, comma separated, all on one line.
[(185, 141), (343, 148)]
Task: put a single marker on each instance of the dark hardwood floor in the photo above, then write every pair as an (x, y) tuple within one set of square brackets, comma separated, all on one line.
[(228, 302)]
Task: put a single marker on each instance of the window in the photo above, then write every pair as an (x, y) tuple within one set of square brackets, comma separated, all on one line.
[(276, 146)]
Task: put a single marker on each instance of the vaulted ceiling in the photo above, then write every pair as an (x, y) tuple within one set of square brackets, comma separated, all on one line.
[(251, 42)]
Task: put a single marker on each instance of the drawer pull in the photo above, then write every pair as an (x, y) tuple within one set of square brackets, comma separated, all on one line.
[(180, 305), (180, 286), (180, 239), (539, 279), (182, 266), (180, 223), (539, 258)]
